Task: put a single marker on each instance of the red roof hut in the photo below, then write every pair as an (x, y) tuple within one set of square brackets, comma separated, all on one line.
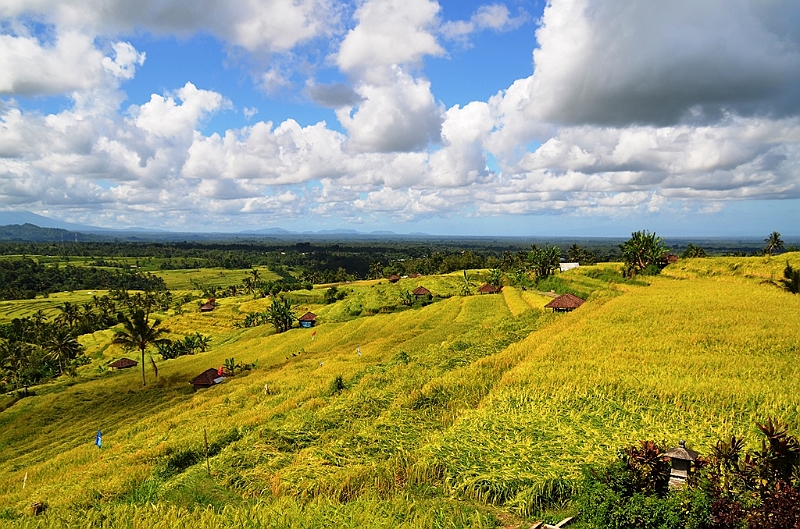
[(307, 320), (421, 292), (486, 288), (394, 278), (207, 378), (123, 363)]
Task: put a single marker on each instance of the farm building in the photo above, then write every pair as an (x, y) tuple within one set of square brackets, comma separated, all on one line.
[(486, 288), (307, 320), (208, 307), (123, 363), (421, 292), (565, 303), (207, 378), (394, 278)]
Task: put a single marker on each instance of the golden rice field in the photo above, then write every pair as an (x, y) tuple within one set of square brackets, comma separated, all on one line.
[(472, 411)]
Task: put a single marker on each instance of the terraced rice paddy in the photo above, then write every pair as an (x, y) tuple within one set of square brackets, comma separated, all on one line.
[(448, 415)]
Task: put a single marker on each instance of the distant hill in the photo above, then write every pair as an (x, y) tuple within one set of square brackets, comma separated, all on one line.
[(30, 233)]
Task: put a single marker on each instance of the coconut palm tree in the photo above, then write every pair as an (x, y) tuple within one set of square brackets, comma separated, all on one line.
[(62, 346), (139, 333), (774, 243)]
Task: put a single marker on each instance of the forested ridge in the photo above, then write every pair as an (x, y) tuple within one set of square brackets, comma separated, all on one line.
[(26, 278)]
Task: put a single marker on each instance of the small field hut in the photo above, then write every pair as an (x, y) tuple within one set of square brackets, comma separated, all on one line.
[(421, 292), (307, 320), (207, 378), (565, 303), (123, 363), (486, 288)]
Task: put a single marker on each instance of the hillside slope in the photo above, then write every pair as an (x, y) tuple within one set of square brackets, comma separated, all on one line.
[(429, 417)]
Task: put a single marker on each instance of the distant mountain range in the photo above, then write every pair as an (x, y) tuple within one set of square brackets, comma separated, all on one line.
[(27, 226)]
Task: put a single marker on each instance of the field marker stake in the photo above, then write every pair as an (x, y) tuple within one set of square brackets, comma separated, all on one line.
[(208, 465)]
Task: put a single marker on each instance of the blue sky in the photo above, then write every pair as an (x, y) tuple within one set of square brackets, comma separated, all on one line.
[(448, 117)]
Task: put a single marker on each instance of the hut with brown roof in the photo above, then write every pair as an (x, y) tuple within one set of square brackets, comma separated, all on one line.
[(207, 378), (421, 292), (565, 303), (123, 363), (394, 278), (307, 320), (486, 288)]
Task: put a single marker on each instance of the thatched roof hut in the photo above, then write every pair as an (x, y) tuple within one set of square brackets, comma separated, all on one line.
[(394, 278), (486, 288), (123, 363), (208, 307), (207, 378), (565, 303), (421, 291)]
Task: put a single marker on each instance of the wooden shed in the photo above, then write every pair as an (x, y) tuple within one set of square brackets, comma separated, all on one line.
[(207, 378), (486, 288), (123, 363), (208, 307), (565, 303), (307, 320), (394, 278), (421, 292)]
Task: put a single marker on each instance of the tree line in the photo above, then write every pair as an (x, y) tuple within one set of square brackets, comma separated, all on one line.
[(25, 278)]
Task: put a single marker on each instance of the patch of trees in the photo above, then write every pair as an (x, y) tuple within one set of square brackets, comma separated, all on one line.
[(25, 279), (35, 348), (280, 314), (730, 489), (642, 254), (190, 345)]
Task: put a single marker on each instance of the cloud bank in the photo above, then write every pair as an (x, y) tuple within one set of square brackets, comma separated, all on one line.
[(630, 108)]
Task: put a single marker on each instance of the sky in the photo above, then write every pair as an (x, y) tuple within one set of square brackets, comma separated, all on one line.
[(448, 117)]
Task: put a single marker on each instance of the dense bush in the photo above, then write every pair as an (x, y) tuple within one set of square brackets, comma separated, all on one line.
[(733, 489)]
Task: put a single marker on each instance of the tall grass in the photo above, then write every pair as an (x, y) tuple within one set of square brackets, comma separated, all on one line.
[(450, 413)]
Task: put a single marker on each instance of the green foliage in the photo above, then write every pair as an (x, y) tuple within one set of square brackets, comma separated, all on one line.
[(280, 314), (731, 489), (544, 261), (337, 385), (692, 251), (333, 294), (641, 253), (188, 346), (25, 278), (576, 254), (774, 243), (139, 333), (791, 279)]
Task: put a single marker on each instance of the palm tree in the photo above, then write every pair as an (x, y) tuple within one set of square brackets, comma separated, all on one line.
[(69, 314), (14, 358), (62, 346), (774, 243), (139, 333)]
